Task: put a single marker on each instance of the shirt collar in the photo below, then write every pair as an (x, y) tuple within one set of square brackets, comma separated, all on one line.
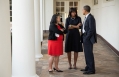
[(87, 15)]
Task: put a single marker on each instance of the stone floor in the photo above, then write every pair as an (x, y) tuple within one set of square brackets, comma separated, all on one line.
[(107, 63)]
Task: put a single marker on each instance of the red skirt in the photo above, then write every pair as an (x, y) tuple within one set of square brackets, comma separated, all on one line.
[(55, 47)]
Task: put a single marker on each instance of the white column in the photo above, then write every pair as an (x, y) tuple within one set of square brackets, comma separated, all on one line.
[(5, 42), (41, 18), (23, 57), (37, 30), (44, 27)]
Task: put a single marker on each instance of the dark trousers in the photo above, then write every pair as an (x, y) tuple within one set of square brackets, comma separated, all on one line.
[(89, 56)]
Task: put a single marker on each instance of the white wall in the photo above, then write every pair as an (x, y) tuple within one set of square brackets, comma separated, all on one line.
[(107, 17), (105, 13), (48, 13), (5, 48)]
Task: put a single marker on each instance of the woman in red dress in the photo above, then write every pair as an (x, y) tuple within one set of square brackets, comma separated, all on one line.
[(55, 42)]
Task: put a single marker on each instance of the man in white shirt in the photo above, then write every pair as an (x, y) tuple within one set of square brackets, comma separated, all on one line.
[(89, 38), (84, 22)]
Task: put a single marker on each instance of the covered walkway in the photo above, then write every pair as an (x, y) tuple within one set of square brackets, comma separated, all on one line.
[(28, 19), (107, 63)]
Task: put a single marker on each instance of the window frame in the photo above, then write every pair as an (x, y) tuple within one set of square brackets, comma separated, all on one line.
[(10, 8), (95, 2)]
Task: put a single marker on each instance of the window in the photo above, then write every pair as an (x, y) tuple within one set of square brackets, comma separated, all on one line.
[(70, 3), (10, 3), (60, 7), (73, 4), (57, 3), (95, 2), (62, 3)]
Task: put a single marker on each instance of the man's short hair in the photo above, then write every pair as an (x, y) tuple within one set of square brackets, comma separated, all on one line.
[(87, 8)]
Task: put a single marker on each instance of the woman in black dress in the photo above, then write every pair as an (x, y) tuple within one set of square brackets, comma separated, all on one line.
[(73, 24)]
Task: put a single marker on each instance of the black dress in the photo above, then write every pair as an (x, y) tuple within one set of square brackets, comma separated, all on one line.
[(73, 38)]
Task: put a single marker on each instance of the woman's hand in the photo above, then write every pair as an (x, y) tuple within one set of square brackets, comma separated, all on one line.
[(74, 26), (79, 25), (70, 27), (62, 30), (61, 23)]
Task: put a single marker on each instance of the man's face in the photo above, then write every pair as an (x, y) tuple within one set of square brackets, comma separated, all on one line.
[(84, 12)]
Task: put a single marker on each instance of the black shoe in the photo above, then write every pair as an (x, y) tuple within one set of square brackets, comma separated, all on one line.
[(75, 67), (88, 72), (70, 68), (83, 70), (57, 70)]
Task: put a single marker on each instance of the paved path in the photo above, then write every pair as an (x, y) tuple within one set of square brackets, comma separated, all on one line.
[(107, 63)]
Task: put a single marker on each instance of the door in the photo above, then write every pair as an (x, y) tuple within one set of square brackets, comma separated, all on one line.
[(62, 7)]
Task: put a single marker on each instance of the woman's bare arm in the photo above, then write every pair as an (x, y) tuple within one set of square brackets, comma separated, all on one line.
[(75, 26)]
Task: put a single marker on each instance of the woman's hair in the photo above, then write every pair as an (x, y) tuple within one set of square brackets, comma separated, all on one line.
[(72, 10), (54, 19)]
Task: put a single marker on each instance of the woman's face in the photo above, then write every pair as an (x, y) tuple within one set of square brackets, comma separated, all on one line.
[(73, 14), (58, 19)]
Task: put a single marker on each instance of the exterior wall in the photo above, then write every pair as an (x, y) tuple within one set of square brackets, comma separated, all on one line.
[(107, 17), (105, 13)]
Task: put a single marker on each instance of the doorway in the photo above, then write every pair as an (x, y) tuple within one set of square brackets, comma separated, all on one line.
[(62, 7)]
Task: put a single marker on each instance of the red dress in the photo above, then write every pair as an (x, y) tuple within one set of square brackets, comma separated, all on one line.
[(55, 47)]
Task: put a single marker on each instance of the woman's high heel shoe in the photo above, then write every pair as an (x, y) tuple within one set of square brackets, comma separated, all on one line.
[(57, 70), (50, 71), (70, 67), (75, 67)]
